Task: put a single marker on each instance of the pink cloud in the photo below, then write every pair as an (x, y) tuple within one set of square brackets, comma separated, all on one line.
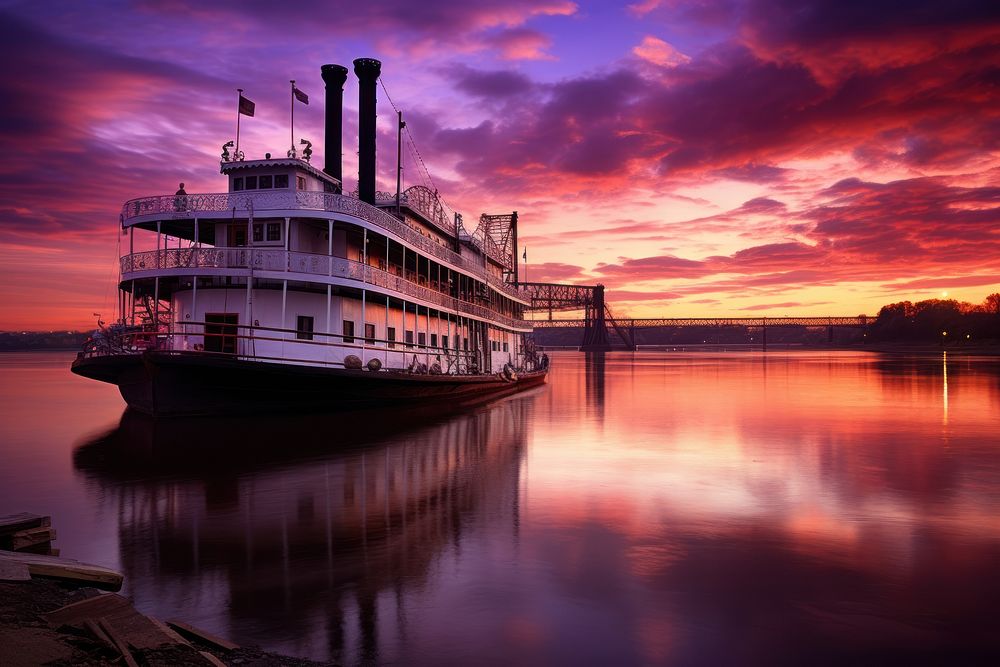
[(658, 52), (521, 44)]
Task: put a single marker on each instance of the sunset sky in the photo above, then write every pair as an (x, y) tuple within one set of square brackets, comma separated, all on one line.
[(699, 158)]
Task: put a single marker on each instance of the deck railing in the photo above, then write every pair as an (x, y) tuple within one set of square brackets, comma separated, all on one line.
[(272, 344), (186, 206), (308, 263)]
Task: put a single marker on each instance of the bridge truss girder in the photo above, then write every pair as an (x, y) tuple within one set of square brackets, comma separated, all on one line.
[(557, 297), (640, 323)]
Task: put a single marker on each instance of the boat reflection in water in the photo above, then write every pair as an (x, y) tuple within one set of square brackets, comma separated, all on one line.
[(273, 531)]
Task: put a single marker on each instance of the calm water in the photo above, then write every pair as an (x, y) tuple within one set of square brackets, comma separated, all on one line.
[(639, 509)]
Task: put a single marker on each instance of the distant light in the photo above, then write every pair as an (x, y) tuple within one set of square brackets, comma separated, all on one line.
[(967, 336), (944, 294), (944, 333)]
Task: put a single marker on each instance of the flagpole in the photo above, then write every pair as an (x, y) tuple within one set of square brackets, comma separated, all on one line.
[(292, 152), (239, 94)]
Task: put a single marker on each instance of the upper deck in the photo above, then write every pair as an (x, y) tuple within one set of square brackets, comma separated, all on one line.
[(297, 203)]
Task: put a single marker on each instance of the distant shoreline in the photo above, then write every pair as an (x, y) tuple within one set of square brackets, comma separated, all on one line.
[(992, 349)]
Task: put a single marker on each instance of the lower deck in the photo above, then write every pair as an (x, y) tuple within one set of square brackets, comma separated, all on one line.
[(192, 383), (326, 326)]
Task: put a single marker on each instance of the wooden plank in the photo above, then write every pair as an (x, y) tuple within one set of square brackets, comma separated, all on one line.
[(13, 571), (170, 632), (212, 660), (23, 539), (65, 568), (198, 633), (96, 607), (43, 549), (102, 636), (11, 523), (117, 641), (138, 630), (130, 626)]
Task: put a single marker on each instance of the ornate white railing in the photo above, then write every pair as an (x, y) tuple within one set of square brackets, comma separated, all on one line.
[(184, 206), (300, 262)]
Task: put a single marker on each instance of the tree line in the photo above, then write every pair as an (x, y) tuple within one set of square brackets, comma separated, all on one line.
[(938, 320)]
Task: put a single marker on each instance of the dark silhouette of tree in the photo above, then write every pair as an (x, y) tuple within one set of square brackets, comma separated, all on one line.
[(992, 304), (944, 321)]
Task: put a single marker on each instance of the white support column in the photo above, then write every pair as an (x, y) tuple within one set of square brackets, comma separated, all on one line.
[(158, 223), (249, 312), (402, 334), (156, 302), (284, 301), (329, 296), (329, 252), (197, 237), (364, 292), (288, 258)]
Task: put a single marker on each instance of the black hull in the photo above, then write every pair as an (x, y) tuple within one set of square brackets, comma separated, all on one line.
[(167, 383)]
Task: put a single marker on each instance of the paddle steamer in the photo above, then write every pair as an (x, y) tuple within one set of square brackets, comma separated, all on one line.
[(285, 293)]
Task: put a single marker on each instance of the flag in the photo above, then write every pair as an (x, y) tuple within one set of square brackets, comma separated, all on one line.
[(525, 255), (300, 96), (246, 106)]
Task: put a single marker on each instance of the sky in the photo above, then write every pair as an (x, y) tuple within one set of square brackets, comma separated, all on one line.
[(700, 159)]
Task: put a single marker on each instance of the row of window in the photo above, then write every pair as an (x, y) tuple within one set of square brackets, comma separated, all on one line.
[(304, 331), (265, 182), (238, 233)]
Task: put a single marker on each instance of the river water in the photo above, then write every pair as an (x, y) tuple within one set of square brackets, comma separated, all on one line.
[(649, 508)]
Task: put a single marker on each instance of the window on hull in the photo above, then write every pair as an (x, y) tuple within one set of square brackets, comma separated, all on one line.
[(369, 333), (390, 334), (348, 331)]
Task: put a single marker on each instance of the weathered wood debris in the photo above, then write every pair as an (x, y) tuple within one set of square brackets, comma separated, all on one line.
[(26, 551), (27, 532), (112, 620)]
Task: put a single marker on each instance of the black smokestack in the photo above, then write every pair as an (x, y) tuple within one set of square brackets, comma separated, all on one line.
[(334, 76), (368, 70)]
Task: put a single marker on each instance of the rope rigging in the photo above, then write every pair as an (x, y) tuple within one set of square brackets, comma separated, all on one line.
[(411, 144)]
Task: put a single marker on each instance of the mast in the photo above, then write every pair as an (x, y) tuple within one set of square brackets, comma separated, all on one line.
[(399, 157), (239, 98), (291, 152)]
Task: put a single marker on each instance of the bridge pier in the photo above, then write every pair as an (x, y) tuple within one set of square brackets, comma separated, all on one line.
[(595, 328)]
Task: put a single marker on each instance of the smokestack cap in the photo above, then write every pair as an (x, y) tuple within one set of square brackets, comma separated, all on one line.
[(367, 68), (333, 75)]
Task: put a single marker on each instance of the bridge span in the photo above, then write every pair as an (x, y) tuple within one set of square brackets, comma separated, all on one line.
[(599, 321), (636, 323)]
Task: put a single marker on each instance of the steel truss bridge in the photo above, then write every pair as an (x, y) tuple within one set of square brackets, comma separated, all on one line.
[(599, 320)]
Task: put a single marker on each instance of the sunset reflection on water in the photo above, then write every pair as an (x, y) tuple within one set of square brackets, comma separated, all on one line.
[(649, 508)]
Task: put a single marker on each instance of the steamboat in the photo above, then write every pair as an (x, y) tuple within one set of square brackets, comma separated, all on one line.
[(286, 293)]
